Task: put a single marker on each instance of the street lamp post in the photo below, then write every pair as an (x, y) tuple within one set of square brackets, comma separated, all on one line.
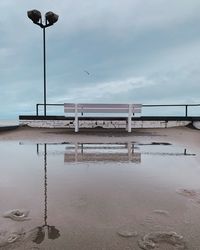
[(50, 19)]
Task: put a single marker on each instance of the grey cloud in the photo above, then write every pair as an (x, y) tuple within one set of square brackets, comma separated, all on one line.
[(136, 47)]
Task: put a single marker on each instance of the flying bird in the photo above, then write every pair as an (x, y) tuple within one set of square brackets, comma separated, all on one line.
[(86, 72)]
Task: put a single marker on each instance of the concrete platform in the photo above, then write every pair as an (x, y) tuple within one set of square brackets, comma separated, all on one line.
[(108, 122)]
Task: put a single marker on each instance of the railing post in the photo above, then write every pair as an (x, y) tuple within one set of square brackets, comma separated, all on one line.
[(37, 109), (186, 110)]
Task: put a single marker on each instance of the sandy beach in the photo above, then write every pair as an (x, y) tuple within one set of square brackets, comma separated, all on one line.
[(94, 201), (182, 135)]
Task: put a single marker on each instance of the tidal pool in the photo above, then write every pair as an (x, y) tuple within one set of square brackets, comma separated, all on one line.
[(100, 196)]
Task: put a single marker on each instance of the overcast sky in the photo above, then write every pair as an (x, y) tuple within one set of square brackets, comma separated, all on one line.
[(145, 51)]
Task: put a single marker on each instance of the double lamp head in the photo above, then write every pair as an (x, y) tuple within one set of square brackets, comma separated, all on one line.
[(36, 17)]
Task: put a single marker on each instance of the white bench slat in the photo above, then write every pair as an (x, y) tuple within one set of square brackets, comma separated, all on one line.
[(101, 105), (82, 110)]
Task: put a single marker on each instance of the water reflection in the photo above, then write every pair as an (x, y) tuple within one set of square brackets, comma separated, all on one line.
[(112, 152), (183, 153), (119, 152), (81, 152), (51, 231), (96, 206), (14, 237)]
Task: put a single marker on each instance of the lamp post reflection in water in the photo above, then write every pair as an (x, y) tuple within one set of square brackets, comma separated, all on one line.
[(45, 184), (52, 232)]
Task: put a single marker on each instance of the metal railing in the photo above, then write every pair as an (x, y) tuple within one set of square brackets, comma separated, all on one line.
[(186, 106), (48, 104), (172, 105)]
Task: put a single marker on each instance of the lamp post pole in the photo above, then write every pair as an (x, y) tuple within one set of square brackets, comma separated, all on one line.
[(50, 19), (44, 61)]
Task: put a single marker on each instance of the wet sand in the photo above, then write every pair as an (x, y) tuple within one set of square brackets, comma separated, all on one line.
[(103, 204)]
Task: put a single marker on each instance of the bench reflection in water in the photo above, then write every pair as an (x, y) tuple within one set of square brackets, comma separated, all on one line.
[(112, 152), (120, 152)]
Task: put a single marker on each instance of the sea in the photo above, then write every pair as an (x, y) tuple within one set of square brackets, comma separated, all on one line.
[(4, 122)]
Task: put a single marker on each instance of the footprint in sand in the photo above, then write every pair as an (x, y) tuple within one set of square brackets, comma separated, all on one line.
[(127, 232), (8, 238), (157, 216), (17, 215), (192, 194), (156, 239), (161, 212)]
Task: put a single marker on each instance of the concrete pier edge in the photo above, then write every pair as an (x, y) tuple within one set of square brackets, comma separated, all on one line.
[(108, 122)]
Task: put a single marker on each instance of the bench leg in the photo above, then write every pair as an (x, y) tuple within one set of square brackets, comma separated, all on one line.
[(76, 125), (129, 150), (129, 117), (76, 118)]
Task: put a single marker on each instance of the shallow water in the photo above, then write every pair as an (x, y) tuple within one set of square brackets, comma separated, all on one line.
[(99, 196)]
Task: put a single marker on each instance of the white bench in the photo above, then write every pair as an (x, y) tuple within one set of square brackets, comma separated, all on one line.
[(81, 108)]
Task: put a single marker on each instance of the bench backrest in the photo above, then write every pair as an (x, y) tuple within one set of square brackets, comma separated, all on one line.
[(102, 108)]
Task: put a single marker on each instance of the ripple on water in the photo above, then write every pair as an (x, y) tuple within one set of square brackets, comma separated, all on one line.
[(155, 240)]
